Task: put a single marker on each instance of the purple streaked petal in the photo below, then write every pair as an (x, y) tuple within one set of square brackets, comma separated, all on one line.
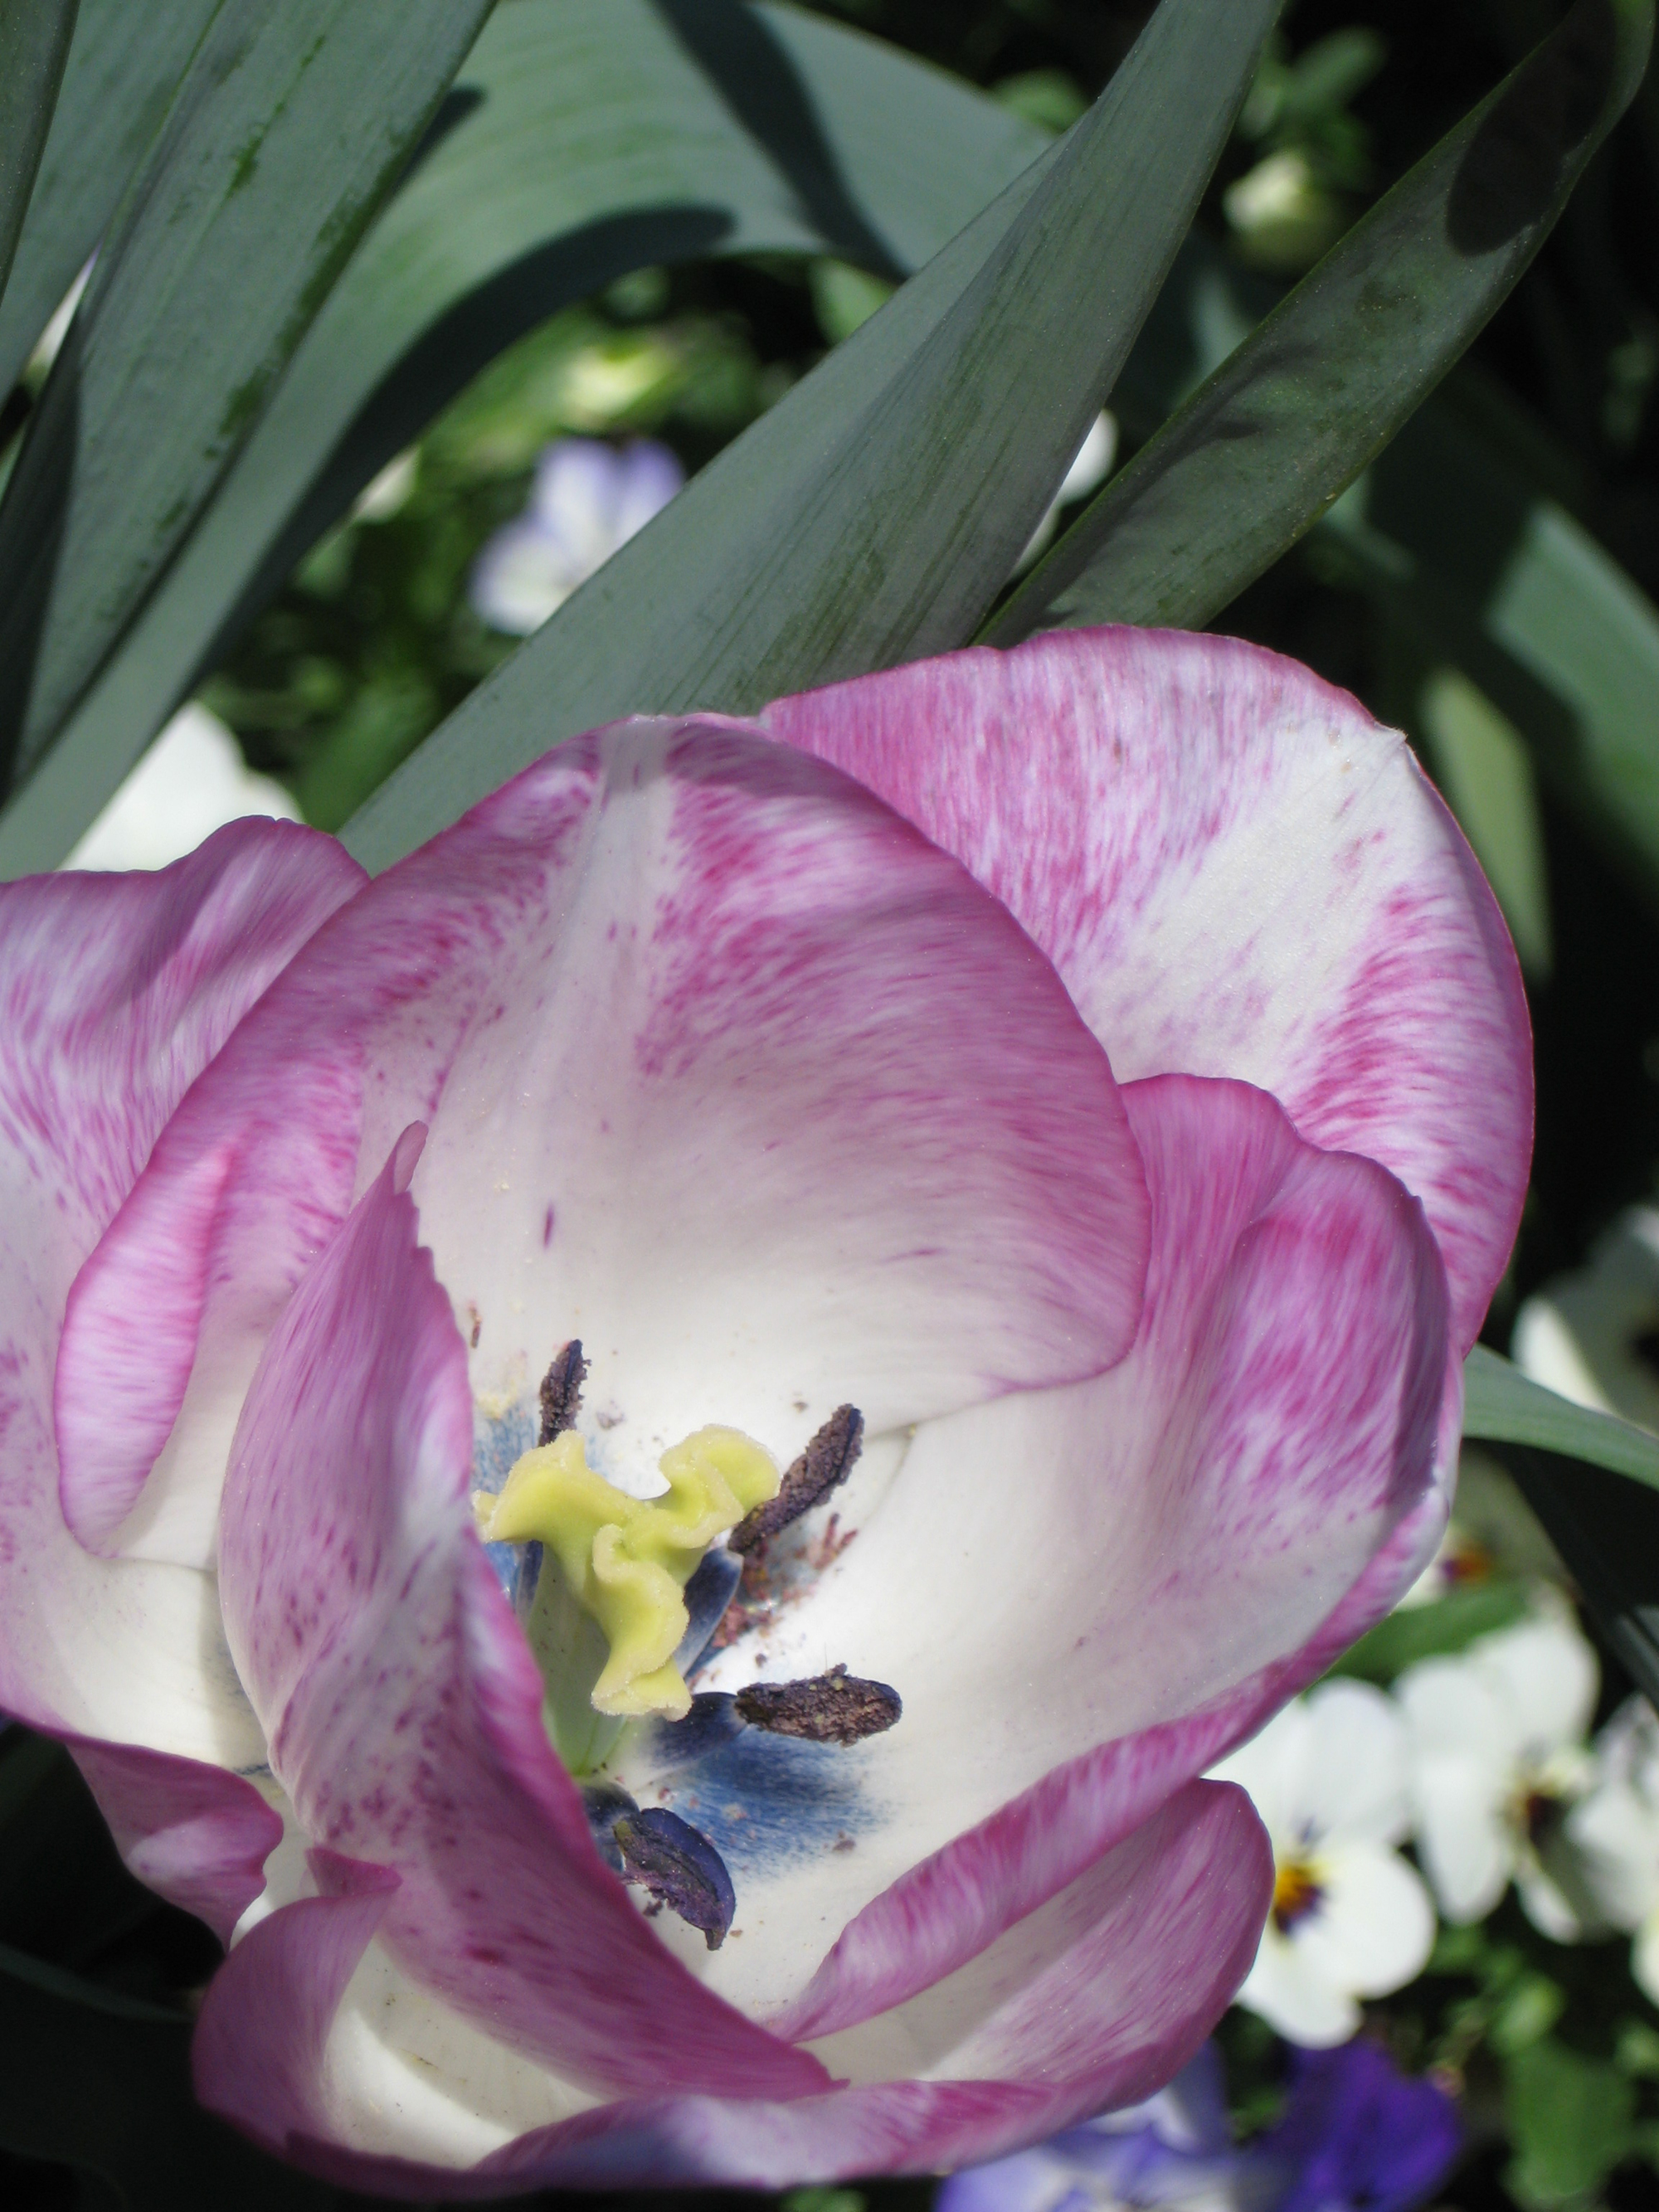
[(1103, 1560), (1110, 1990), (728, 1071), (400, 1700), (1133, 797), (116, 990)]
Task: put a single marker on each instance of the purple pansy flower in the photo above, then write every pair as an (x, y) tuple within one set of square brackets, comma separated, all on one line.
[(717, 1097), (587, 501), (1356, 2135)]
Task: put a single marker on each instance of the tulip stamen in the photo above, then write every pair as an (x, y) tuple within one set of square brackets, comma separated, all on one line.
[(832, 1708), (679, 1866), (827, 1461), (562, 1391)]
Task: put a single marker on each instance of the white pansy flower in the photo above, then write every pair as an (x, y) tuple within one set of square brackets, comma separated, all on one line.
[(1592, 1336), (1615, 1829), (191, 781), (1350, 1919), (1497, 1760)]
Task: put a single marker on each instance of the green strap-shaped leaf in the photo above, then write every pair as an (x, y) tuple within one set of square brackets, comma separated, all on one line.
[(582, 138), (35, 41), (1501, 1405), (289, 126), (125, 64), (1607, 1533), (1591, 1480), (875, 512), (1265, 444), (1475, 561)]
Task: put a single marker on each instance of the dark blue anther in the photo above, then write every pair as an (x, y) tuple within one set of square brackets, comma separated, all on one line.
[(709, 1593), (680, 1868), (605, 1804)]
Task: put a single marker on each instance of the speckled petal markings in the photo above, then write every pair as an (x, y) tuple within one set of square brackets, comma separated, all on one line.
[(1237, 873), (729, 1073)]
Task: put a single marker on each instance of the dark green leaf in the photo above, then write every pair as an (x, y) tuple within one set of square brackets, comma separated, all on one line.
[(1569, 2120), (1271, 440), (125, 64), (1457, 535), (582, 139), (270, 163), (874, 514), (35, 39), (102, 2083), (1429, 1631), (1500, 1404), (1606, 1530)]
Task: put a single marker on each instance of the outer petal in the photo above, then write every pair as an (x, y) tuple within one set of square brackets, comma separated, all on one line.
[(114, 992), (401, 1702), (728, 1072), (1103, 1564), (1096, 2002), (1237, 873), (196, 1835)]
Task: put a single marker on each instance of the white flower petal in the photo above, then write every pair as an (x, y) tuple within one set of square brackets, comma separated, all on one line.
[(1548, 1673), (1355, 1781), (191, 781), (1616, 1835), (1373, 1928), (1290, 1991), (1466, 1846)]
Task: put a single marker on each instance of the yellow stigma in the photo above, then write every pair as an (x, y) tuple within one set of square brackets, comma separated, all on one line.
[(626, 1561)]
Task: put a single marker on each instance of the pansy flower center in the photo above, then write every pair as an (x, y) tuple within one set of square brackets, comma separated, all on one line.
[(1297, 1892)]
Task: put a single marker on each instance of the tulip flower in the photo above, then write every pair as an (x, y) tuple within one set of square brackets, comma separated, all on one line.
[(657, 1481)]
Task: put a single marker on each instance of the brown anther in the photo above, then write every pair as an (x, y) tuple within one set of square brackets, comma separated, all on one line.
[(562, 1391), (827, 1461), (832, 1708)]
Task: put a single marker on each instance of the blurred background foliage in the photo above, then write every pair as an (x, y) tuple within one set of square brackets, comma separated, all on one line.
[(1530, 491)]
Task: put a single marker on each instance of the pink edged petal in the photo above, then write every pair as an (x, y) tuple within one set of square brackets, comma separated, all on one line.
[(1148, 1564), (116, 990), (728, 1072), (401, 1702), (195, 1835), (1237, 873), (1097, 2001)]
